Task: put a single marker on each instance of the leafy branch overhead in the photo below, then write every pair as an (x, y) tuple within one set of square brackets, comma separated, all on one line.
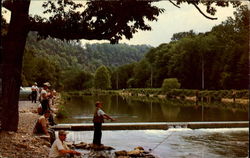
[(108, 20)]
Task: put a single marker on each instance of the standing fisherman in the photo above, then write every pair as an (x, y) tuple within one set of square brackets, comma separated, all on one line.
[(98, 119)]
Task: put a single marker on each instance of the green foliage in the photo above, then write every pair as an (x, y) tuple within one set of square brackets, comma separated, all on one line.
[(221, 54), (142, 74), (170, 83), (40, 70), (114, 55), (120, 76), (77, 80), (102, 79), (69, 65), (61, 113)]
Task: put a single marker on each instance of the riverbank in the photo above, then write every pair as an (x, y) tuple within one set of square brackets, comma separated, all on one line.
[(23, 144), (223, 96)]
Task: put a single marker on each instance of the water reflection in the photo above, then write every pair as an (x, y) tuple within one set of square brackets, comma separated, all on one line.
[(123, 109)]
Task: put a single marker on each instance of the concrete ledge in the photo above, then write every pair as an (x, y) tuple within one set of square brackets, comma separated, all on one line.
[(153, 125)]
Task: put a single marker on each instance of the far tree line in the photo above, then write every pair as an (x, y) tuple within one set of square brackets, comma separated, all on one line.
[(221, 55)]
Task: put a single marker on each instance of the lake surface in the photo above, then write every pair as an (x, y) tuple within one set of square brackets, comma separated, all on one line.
[(80, 110)]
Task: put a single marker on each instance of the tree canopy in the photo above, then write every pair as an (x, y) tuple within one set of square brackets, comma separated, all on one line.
[(223, 52)]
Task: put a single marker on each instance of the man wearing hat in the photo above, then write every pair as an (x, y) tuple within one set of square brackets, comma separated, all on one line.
[(34, 90), (59, 148), (98, 119)]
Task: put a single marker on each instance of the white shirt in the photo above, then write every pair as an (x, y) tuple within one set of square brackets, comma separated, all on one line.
[(56, 146), (100, 112), (42, 93), (34, 88)]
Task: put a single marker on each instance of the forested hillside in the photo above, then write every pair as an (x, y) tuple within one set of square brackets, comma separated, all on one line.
[(89, 56), (49, 59)]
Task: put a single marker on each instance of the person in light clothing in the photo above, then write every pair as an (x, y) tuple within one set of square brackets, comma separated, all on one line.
[(59, 148), (34, 91)]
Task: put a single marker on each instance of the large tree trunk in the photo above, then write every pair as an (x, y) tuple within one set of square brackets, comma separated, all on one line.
[(11, 64)]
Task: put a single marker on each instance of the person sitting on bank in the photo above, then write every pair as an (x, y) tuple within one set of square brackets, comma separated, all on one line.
[(42, 127), (98, 119), (42, 124), (60, 149)]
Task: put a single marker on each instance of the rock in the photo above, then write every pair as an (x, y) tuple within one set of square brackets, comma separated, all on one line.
[(22, 145), (121, 153), (99, 147), (47, 144), (11, 133), (138, 148), (45, 137), (135, 153), (148, 156), (81, 145)]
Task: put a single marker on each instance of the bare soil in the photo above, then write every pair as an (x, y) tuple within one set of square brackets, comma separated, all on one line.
[(23, 144)]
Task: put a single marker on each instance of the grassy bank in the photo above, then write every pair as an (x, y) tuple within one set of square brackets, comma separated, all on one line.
[(206, 95)]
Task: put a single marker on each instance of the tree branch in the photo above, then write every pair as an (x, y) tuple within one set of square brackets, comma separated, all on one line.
[(202, 12), (174, 4)]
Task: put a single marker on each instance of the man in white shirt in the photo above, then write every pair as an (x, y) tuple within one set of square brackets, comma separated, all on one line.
[(34, 91), (59, 148), (44, 96)]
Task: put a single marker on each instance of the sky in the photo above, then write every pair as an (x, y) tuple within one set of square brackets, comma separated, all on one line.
[(173, 20)]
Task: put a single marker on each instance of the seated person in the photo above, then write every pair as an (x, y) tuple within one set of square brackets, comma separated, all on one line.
[(42, 124), (59, 148)]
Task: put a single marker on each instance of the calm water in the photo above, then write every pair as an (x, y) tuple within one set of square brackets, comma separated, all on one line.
[(80, 110)]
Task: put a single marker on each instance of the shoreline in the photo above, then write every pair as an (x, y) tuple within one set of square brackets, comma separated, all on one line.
[(24, 143)]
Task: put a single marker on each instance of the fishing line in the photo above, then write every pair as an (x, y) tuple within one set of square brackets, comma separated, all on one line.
[(150, 150)]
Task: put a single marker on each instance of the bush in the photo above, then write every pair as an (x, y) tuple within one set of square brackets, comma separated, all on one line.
[(62, 113), (170, 83)]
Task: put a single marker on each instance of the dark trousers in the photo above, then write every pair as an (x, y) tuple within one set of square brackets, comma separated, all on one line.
[(33, 96), (45, 105), (52, 135), (97, 133)]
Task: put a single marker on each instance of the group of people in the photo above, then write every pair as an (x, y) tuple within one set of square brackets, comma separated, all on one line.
[(58, 146), (45, 96)]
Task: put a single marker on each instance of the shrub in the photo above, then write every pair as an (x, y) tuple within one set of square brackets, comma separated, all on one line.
[(170, 83)]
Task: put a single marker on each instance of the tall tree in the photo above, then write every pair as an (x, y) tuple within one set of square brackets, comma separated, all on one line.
[(102, 78), (110, 20)]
